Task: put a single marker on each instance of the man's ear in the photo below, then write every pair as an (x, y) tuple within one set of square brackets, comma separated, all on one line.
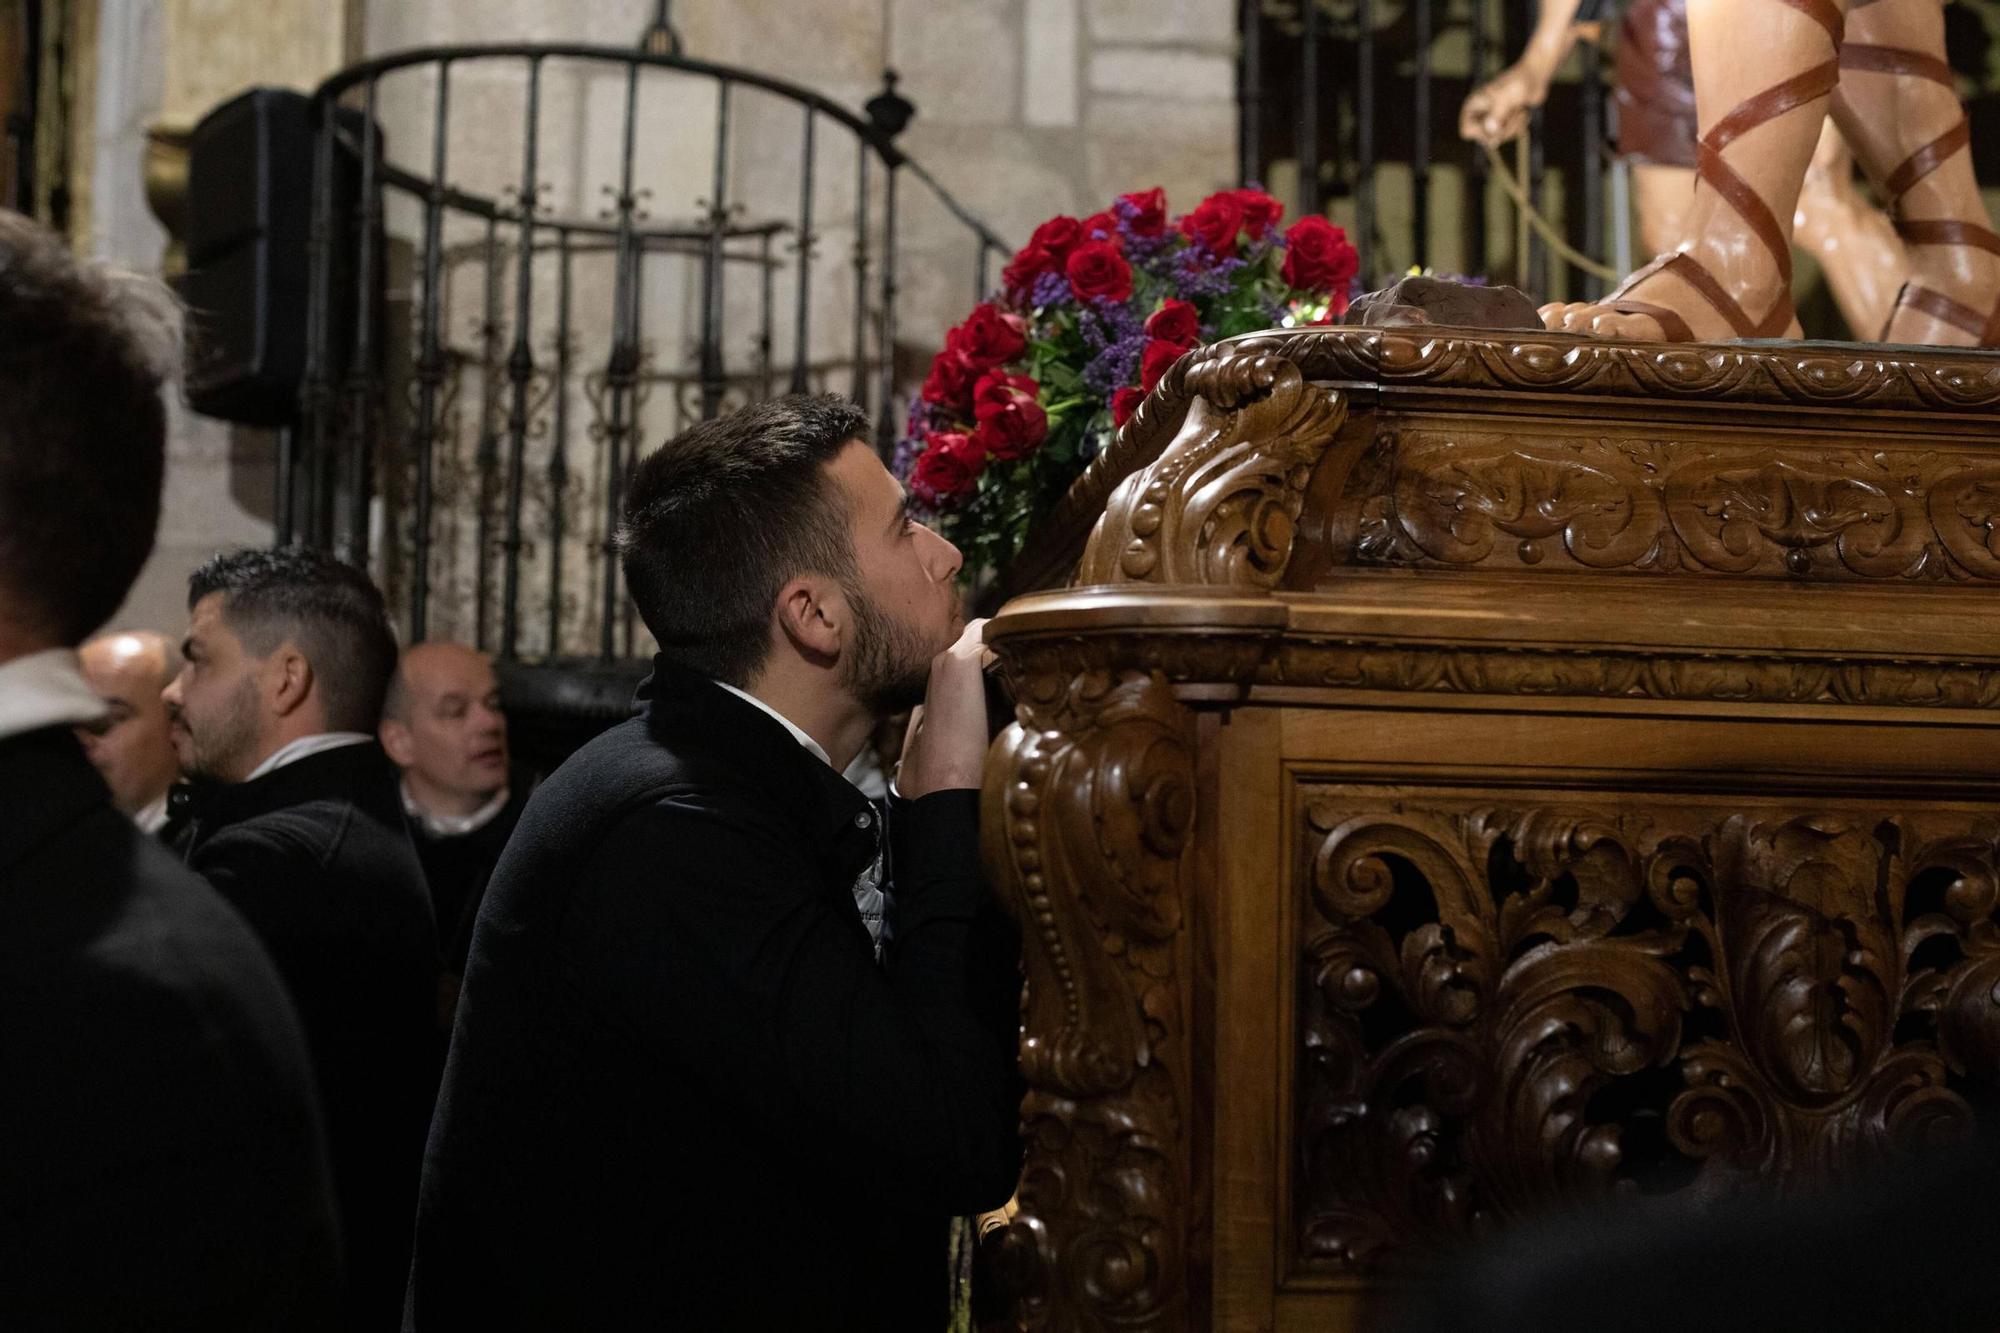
[(395, 738), (288, 680), (812, 612)]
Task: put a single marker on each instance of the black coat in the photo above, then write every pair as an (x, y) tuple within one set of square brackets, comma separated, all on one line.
[(458, 868), (315, 855), (681, 1091), (164, 1166)]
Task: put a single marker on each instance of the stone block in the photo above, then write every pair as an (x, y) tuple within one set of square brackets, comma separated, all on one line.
[(1143, 72)]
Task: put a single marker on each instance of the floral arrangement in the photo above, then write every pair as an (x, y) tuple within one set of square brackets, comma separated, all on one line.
[(1088, 317)]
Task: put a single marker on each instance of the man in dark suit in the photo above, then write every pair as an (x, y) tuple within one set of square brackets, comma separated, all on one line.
[(293, 814), (716, 1066), (442, 726), (163, 1164)]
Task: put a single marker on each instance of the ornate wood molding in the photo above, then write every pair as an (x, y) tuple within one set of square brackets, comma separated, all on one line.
[(1088, 817), (1706, 376), (1498, 1001), (1219, 507), (1489, 500)]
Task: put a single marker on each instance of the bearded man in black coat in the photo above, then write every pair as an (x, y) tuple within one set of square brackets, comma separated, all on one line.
[(727, 1056), (293, 813), (163, 1164)]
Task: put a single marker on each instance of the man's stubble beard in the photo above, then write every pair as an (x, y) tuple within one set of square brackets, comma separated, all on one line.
[(890, 668), (222, 748)]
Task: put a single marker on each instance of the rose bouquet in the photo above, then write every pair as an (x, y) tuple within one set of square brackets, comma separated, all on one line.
[(1088, 317)]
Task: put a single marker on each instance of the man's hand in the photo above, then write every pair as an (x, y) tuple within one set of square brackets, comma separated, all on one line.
[(945, 746)]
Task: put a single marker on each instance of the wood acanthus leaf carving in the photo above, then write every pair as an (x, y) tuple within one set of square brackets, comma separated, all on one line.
[(1220, 505), (1089, 812), (1497, 1003), (1484, 499)]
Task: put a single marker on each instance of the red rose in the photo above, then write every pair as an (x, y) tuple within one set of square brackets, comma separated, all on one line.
[(1177, 322), (1013, 431), (1260, 211), (1149, 211), (1104, 224), (988, 337), (997, 391), (1214, 223), (1097, 272), (948, 468), (1124, 403), (1059, 236), (950, 380), (1153, 363), (1318, 257), (1028, 263)]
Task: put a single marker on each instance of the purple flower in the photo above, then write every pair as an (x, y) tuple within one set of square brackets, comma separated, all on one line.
[(1049, 290), (1116, 366)]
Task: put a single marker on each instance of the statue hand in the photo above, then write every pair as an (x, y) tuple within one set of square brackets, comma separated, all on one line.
[(1498, 111)]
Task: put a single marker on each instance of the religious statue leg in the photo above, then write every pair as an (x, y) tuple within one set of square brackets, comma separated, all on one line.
[(1855, 243), (1764, 74), (1896, 105)]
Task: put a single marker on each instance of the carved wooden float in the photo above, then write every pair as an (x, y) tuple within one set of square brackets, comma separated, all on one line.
[(1470, 774)]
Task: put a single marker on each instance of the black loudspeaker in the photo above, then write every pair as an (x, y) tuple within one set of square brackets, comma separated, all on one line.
[(249, 223)]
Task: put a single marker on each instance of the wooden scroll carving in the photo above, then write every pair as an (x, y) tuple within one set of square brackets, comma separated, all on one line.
[(1219, 507), (1089, 809), (1490, 500), (1509, 1007)]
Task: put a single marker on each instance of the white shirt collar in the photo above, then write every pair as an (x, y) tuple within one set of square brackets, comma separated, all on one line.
[(45, 689), (798, 734), (306, 745), (154, 817), (453, 826)]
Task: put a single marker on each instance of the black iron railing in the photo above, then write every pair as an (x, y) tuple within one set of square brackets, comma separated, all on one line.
[(574, 336)]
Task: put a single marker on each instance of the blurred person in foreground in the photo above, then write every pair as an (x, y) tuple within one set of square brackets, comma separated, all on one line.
[(442, 726), (292, 812), (165, 1167), (730, 1055), (132, 745)]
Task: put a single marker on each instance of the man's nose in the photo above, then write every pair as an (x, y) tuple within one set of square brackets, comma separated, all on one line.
[(945, 559)]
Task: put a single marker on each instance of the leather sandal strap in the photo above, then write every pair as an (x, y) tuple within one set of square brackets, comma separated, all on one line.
[(1896, 60), (1672, 327), (1931, 231), (1711, 167), (1926, 160), (1942, 308), (1690, 271)]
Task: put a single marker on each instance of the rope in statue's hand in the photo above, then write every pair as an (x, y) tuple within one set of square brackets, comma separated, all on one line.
[(1516, 186)]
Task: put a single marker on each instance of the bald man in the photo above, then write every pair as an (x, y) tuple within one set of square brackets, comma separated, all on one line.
[(443, 727), (132, 745)]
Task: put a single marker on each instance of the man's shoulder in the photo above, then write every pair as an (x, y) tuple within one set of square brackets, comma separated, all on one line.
[(306, 833)]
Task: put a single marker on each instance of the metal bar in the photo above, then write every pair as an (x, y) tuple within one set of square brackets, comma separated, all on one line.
[(620, 375), (351, 544), (1420, 143), (802, 309), (1538, 252), (21, 125), (1364, 157), (861, 276), (559, 446), (1477, 177), (1591, 91), (885, 421), (316, 396), (767, 314), (1249, 94), (520, 372), (712, 373), (1309, 41), (979, 275), (486, 460), (430, 362)]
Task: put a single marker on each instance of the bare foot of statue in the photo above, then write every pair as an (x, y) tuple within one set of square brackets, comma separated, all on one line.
[(1896, 104), (1764, 71)]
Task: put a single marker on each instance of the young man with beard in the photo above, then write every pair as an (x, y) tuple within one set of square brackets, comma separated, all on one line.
[(293, 814), (163, 1166), (689, 1086)]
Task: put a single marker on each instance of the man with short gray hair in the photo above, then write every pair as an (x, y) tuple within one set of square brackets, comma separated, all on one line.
[(132, 745)]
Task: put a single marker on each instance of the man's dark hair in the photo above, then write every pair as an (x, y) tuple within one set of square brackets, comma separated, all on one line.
[(83, 353), (724, 515), (331, 611)]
